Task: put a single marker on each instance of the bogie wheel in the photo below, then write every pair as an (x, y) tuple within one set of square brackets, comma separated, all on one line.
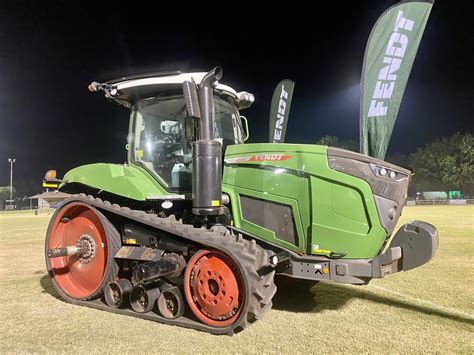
[(82, 276), (214, 288), (117, 293), (143, 298), (170, 303)]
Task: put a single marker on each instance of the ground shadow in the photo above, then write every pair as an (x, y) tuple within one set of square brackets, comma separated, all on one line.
[(295, 295), (327, 296), (47, 287)]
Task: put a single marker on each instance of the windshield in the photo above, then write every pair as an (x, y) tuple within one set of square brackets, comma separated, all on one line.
[(163, 133)]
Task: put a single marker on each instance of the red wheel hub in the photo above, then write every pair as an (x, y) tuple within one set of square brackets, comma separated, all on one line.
[(214, 288), (78, 276)]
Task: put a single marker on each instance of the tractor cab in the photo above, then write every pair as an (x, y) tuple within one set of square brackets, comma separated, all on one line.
[(161, 131)]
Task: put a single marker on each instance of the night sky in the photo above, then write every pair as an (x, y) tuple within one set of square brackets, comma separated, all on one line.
[(50, 51)]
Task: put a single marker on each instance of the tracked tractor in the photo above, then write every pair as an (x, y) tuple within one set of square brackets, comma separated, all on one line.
[(192, 230)]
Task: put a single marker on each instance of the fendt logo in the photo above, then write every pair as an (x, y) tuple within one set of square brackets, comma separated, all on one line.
[(259, 158), (397, 45), (280, 115)]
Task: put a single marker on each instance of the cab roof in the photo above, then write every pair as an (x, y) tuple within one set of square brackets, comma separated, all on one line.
[(136, 87)]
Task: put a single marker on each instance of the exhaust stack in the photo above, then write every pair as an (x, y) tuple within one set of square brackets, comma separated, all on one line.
[(207, 152)]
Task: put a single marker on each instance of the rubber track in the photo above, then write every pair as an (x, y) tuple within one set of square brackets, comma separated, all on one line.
[(114, 242), (250, 257)]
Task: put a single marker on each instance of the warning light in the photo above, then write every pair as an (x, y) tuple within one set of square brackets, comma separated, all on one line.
[(50, 175)]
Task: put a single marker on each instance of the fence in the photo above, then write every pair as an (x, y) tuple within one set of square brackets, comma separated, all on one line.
[(439, 202), (40, 211)]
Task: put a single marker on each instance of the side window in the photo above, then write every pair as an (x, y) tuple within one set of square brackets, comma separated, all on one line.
[(226, 125), (138, 129), (162, 140)]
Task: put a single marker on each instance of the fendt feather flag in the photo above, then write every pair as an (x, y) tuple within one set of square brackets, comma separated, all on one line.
[(280, 110), (389, 56)]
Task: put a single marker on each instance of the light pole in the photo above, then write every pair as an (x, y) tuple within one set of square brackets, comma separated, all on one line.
[(11, 161)]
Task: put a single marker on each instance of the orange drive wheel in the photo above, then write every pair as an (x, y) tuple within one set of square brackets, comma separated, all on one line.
[(214, 288), (79, 276)]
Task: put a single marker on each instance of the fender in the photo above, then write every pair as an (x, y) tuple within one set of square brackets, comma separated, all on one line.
[(127, 181)]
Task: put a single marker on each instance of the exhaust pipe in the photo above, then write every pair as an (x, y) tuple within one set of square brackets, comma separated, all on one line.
[(206, 102), (207, 153)]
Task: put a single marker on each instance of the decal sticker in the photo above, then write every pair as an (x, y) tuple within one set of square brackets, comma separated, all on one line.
[(259, 158)]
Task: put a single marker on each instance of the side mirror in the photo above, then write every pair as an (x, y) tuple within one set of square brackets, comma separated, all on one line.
[(191, 99), (246, 129)]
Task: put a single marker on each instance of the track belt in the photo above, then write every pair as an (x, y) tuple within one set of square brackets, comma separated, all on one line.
[(261, 288)]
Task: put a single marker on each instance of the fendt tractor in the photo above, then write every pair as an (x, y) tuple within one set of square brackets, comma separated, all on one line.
[(192, 230)]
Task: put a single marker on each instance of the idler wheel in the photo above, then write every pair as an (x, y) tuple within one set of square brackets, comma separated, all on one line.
[(82, 273)]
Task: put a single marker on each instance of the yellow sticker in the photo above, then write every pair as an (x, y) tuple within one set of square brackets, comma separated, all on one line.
[(321, 251), (140, 153), (46, 184), (215, 203)]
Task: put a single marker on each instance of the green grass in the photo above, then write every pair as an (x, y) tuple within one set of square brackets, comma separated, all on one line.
[(430, 309)]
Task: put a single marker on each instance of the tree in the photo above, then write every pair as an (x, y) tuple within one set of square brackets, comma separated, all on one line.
[(5, 192), (447, 163), (333, 141)]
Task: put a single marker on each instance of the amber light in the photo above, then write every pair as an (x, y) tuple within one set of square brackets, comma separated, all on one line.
[(50, 175)]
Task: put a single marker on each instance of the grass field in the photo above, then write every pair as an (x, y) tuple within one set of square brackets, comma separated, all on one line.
[(430, 309)]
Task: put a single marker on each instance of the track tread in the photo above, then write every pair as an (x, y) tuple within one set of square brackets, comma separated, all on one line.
[(248, 254)]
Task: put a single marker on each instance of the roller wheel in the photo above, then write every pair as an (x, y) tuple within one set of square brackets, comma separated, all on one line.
[(117, 293), (143, 298), (82, 277), (170, 303), (214, 288)]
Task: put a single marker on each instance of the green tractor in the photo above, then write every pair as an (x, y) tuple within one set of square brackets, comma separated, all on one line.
[(192, 230)]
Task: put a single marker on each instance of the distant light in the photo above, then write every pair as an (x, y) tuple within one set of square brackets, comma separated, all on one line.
[(148, 146)]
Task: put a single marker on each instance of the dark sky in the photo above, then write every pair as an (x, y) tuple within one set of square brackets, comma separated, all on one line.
[(50, 51)]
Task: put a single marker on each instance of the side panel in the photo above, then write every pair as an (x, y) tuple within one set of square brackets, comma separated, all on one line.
[(281, 189), (123, 180), (336, 211), (344, 221)]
